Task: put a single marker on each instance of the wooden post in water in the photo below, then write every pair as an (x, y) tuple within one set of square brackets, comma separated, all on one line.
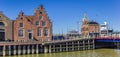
[(88, 44), (24, 49), (14, 47), (45, 49), (66, 46), (32, 49), (78, 46), (93, 44), (49, 48), (28, 49), (19, 49), (4, 50), (9, 49), (37, 51), (60, 48), (72, 46), (83, 44), (53, 48)]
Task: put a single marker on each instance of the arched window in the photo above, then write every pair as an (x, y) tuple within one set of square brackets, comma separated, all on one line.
[(2, 24)]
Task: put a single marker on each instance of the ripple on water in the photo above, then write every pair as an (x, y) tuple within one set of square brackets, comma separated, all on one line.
[(86, 53)]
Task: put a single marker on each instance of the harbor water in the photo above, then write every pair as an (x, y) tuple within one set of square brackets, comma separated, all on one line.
[(85, 53)]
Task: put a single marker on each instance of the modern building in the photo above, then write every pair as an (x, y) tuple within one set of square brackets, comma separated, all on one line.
[(105, 31), (90, 28)]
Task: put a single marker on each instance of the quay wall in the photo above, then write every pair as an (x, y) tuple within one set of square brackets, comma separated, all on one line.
[(17, 48), (66, 46)]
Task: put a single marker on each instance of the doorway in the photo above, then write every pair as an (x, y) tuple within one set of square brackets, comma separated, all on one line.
[(30, 34), (2, 35)]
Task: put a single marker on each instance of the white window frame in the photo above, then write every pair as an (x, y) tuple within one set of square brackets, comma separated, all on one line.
[(23, 33), (47, 32), (23, 25), (32, 34), (38, 23), (45, 24), (41, 17), (39, 32)]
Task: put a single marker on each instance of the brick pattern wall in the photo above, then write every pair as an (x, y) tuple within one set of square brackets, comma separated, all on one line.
[(30, 24), (27, 25), (8, 26), (89, 28), (41, 12)]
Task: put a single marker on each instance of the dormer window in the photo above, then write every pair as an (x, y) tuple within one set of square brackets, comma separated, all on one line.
[(40, 17), (21, 24)]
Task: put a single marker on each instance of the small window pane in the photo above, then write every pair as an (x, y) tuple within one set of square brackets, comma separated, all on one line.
[(21, 24), (43, 23), (37, 23), (39, 32), (20, 33), (40, 12), (45, 32), (2, 24), (29, 30), (40, 17), (0, 18)]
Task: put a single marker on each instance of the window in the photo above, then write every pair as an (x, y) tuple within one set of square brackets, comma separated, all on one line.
[(40, 17), (2, 24), (21, 24), (20, 33), (30, 34), (45, 32), (37, 23), (0, 18), (21, 18), (39, 32), (43, 23), (40, 12), (29, 30)]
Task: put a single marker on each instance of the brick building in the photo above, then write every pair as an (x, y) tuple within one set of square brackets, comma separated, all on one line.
[(33, 28), (6, 32), (90, 28)]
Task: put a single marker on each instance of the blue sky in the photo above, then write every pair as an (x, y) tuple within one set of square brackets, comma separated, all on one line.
[(66, 13)]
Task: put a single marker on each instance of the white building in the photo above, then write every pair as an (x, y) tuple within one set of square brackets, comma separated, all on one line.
[(105, 31)]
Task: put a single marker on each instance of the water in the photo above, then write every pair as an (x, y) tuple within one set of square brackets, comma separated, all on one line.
[(86, 53)]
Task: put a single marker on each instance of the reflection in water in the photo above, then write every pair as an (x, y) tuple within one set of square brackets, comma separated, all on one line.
[(86, 53)]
